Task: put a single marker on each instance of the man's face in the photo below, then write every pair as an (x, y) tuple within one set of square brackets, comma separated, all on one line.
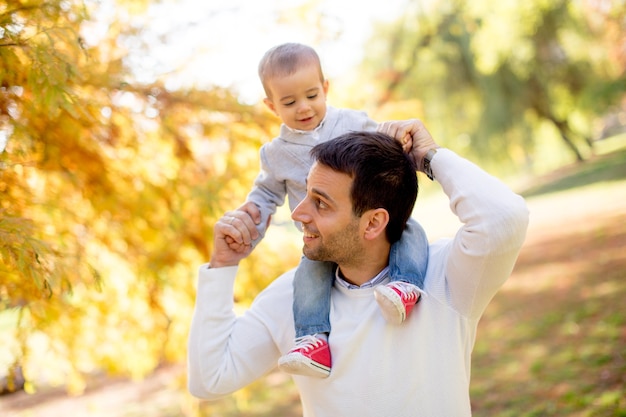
[(331, 231), (299, 99)]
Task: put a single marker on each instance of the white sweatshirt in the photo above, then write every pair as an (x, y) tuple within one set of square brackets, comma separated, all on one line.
[(419, 368)]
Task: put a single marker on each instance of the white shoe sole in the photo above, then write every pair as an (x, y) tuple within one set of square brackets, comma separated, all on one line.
[(390, 304), (297, 364)]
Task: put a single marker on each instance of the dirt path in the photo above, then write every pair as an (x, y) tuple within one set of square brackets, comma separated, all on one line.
[(104, 397)]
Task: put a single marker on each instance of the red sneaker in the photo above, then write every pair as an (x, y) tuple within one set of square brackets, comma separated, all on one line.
[(310, 357), (396, 300)]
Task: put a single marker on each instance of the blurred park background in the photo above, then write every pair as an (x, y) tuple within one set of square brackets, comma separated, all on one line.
[(127, 127)]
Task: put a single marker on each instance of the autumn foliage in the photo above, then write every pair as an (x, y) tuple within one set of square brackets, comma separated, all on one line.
[(108, 190)]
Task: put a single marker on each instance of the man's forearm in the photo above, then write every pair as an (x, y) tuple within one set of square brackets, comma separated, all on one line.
[(212, 320), (220, 341)]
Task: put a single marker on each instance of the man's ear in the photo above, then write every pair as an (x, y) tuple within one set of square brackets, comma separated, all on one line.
[(375, 223), (270, 105)]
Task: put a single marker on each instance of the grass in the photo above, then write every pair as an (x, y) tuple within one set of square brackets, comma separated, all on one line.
[(609, 167), (553, 342)]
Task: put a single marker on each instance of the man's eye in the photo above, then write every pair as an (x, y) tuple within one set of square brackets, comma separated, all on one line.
[(321, 204)]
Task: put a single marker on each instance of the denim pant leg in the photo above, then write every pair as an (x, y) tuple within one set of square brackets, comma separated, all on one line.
[(408, 258), (311, 297)]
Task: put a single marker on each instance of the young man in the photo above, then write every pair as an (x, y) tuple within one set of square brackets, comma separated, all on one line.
[(360, 193)]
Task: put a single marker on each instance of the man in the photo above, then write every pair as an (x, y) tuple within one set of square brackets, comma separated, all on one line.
[(354, 209)]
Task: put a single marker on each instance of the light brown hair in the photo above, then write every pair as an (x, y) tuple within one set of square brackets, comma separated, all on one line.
[(284, 60)]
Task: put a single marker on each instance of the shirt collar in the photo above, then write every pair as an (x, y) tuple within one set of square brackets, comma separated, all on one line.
[(314, 132), (381, 276)]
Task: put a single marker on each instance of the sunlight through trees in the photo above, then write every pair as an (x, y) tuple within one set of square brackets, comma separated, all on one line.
[(110, 184)]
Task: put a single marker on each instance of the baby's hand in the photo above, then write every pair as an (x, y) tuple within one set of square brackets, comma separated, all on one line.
[(234, 234), (249, 215), (401, 135), (421, 140), (231, 242), (407, 143)]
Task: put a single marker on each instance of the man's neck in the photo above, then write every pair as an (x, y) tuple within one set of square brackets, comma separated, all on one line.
[(359, 273)]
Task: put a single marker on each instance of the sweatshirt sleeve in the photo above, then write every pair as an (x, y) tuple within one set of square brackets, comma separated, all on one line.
[(494, 222), (268, 191), (226, 352)]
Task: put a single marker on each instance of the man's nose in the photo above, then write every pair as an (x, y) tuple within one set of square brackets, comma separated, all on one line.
[(299, 213)]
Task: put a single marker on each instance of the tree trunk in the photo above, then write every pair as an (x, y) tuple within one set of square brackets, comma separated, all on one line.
[(564, 129)]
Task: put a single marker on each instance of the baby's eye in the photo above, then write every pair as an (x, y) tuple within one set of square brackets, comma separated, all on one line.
[(311, 97), (290, 103)]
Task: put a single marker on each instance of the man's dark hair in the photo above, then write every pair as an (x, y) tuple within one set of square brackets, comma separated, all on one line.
[(382, 173)]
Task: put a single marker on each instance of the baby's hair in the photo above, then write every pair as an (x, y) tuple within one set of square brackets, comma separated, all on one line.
[(284, 60)]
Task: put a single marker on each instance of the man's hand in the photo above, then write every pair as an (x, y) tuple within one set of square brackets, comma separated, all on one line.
[(255, 218), (233, 235), (420, 141)]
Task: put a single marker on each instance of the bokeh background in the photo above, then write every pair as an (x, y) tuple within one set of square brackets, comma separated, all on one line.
[(128, 127)]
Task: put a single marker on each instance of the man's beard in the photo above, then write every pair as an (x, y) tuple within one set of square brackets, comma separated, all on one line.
[(339, 247)]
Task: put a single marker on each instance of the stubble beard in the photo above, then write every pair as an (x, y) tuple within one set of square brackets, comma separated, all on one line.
[(341, 247)]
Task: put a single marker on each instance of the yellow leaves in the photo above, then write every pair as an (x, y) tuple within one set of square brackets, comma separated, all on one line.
[(40, 39), (108, 192), (29, 387), (23, 257)]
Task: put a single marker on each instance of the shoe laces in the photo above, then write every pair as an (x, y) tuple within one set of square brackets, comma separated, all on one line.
[(406, 290), (308, 342)]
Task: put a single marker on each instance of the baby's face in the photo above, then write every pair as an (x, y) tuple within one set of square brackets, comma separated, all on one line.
[(299, 99)]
